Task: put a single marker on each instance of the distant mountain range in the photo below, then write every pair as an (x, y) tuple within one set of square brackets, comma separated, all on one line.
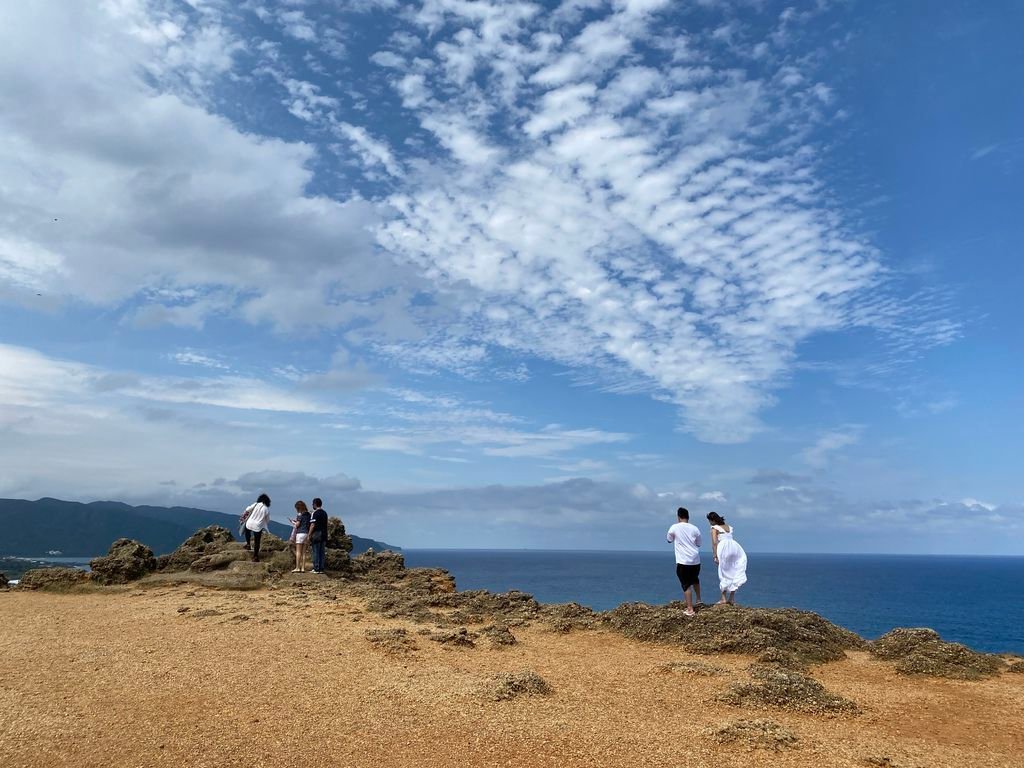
[(72, 529)]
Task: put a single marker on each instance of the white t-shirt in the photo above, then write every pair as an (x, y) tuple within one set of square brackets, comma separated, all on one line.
[(686, 538), (258, 518)]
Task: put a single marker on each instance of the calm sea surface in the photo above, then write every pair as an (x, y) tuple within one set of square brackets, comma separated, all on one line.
[(978, 601)]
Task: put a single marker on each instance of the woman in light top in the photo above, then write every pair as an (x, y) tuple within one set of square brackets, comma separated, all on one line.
[(301, 527), (257, 520), (731, 559)]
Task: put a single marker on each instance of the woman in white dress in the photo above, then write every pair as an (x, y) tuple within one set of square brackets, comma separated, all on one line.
[(731, 559)]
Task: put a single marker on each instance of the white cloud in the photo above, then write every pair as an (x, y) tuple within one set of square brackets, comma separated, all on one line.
[(677, 246), (829, 443), (119, 181), (372, 151), (31, 379), (194, 357)]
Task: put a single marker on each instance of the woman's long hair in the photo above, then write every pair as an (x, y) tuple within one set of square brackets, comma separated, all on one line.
[(716, 519), (300, 507), (263, 499)]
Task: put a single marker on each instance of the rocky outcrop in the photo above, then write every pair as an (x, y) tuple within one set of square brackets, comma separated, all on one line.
[(54, 579), (336, 536), (3, 581), (337, 561), (734, 629), (922, 651), (380, 566), (206, 541), (126, 560)]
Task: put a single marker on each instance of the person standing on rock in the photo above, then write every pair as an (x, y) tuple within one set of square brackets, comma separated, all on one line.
[(318, 536), (257, 520), (731, 559), (301, 527), (685, 539)]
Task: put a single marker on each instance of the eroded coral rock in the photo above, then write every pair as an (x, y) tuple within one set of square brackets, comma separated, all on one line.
[(54, 579), (126, 560), (206, 541)]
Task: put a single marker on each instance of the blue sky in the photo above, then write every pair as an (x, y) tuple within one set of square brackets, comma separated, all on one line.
[(511, 274)]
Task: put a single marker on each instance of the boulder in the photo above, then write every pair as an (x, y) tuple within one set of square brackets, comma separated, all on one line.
[(386, 565), (281, 561), (271, 543), (206, 541), (126, 560), (54, 579), (337, 560), (3, 581), (433, 581), (336, 536)]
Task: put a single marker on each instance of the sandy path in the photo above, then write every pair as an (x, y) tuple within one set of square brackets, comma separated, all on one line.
[(121, 678)]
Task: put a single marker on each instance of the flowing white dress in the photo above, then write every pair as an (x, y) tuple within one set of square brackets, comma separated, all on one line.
[(732, 561)]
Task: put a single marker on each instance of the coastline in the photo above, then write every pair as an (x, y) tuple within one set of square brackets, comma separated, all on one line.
[(396, 668)]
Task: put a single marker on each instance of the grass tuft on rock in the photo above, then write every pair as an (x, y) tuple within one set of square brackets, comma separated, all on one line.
[(921, 651), (787, 689), (523, 683)]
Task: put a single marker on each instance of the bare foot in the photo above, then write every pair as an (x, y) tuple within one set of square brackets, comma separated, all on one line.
[(722, 602)]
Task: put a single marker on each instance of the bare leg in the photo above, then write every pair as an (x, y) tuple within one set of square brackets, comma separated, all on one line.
[(732, 597), (696, 590), (688, 597), (302, 558), (725, 598)]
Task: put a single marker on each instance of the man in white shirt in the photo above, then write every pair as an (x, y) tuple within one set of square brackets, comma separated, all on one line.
[(685, 538)]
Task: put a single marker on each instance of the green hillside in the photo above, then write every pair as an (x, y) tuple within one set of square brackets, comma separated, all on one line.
[(35, 528)]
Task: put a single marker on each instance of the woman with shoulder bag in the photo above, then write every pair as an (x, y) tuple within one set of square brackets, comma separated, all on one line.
[(256, 521)]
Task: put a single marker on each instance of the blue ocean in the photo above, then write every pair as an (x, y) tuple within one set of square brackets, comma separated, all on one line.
[(978, 601)]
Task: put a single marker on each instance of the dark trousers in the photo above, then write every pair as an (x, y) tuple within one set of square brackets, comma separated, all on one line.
[(319, 555), (248, 537), (256, 536)]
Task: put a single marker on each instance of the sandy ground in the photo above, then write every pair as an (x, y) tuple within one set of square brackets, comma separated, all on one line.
[(286, 677)]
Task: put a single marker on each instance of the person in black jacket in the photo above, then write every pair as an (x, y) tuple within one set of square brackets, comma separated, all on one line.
[(318, 535)]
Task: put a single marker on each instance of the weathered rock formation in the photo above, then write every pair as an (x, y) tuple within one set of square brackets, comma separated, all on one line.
[(54, 579), (336, 536), (126, 560), (3, 581), (923, 652), (206, 541), (734, 629)]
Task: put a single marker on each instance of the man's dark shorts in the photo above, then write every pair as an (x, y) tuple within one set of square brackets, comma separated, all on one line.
[(689, 575)]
